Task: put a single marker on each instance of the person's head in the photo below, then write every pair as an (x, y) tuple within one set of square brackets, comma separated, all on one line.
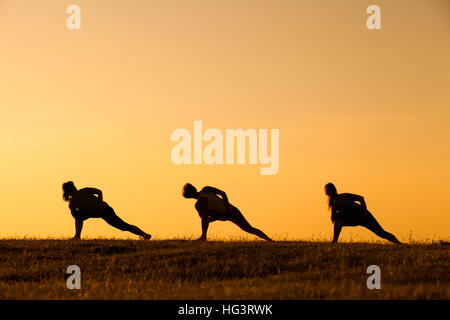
[(69, 190), (331, 192), (189, 191)]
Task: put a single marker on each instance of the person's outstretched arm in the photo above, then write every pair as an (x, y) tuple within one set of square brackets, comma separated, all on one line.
[(337, 230), (78, 228), (205, 224)]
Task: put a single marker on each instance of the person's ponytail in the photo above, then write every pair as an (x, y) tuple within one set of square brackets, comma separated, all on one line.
[(331, 192)]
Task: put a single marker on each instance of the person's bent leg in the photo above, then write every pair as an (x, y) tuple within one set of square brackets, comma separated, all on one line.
[(372, 224), (238, 219)]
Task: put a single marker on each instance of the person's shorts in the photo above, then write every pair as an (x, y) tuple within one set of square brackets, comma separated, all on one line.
[(112, 219)]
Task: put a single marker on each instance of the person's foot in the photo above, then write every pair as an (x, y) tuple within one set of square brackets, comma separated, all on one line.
[(147, 237)]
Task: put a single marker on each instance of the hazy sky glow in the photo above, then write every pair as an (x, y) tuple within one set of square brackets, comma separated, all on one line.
[(367, 110)]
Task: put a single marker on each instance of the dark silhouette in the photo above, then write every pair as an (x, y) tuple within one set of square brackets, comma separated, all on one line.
[(346, 212), (88, 203), (211, 208)]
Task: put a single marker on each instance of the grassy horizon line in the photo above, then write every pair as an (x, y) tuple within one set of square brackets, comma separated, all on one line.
[(224, 240)]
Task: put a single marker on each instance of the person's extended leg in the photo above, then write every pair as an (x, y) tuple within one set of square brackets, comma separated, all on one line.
[(372, 224), (237, 218), (139, 232), (112, 219)]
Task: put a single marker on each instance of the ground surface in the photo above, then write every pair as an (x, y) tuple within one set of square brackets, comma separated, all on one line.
[(125, 269)]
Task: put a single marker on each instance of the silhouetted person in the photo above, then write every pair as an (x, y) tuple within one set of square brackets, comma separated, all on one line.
[(210, 208), (346, 212), (88, 203)]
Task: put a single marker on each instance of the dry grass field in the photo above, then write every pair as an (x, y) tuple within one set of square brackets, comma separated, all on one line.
[(178, 269)]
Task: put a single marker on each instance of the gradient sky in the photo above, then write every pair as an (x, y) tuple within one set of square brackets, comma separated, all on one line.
[(367, 110)]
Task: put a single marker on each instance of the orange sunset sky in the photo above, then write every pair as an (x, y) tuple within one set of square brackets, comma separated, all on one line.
[(366, 109)]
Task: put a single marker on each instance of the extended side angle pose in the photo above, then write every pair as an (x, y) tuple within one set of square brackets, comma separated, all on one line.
[(88, 203), (346, 212), (210, 208)]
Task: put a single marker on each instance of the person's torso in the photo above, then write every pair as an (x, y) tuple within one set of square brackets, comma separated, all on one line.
[(215, 203), (87, 205), (347, 211)]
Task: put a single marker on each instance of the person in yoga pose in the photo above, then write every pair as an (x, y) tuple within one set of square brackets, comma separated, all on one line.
[(345, 211), (211, 207), (88, 203)]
